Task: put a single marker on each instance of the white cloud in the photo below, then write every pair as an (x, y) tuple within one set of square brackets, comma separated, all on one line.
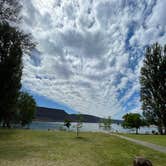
[(154, 27), (89, 53)]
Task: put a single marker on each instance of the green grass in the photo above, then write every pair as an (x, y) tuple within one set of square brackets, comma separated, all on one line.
[(155, 139), (49, 148)]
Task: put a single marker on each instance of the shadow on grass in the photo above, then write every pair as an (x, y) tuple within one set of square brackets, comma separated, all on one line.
[(6, 133), (82, 139)]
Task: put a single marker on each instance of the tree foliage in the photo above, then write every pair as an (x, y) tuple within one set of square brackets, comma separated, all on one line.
[(10, 71), (26, 107), (10, 14), (10, 11), (153, 86), (67, 123), (133, 120), (106, 123), (13, 44)]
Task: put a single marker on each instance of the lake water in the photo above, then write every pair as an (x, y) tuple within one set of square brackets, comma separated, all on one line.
[(93, 127)]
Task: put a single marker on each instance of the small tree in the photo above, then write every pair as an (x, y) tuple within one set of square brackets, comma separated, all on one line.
[(26, 107), (133, 120), (78, 123), (106, 123), (67, 123)]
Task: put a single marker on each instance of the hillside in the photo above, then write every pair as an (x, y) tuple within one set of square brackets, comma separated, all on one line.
[(57, 115)]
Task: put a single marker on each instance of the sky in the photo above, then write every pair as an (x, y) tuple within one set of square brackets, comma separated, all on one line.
[(89, 52)]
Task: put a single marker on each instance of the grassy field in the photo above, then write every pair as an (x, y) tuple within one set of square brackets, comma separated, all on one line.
[(49, 148), (155, 139)]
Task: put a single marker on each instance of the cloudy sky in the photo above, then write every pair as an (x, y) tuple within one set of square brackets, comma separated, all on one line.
[(90, 52)]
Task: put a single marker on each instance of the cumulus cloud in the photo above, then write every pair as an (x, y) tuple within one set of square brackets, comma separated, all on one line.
[(89, 53)]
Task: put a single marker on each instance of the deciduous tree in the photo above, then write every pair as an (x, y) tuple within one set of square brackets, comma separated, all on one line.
[(10, 11), (67, 123), (133, 120), (106, 123), (79, 121), (26, 107), (153, 86), (13, 44), (10, 71)]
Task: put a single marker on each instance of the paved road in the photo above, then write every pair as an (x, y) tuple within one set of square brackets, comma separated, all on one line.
[(147, 144)]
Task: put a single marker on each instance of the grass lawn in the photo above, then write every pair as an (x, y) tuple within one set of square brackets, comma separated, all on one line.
[(155, 139), (49, 148)]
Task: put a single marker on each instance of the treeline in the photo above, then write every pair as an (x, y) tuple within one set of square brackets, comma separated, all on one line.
[(15, 106)]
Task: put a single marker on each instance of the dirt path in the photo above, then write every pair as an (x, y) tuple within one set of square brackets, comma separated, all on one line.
[(147, 144)]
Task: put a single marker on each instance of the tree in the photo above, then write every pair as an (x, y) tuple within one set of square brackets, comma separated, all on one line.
[(10, 71), (67, 123), (153, 86), (10, 11), (13, 43), (133, 120), (106, 123), (26, 107), (10, 15), (79, 121)]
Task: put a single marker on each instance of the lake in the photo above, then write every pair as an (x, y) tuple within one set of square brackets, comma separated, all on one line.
[(93, 127)]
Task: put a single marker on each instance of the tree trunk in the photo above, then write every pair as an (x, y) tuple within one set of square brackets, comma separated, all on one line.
[(77, 131), (160, 130), (136, 130), (8, 125), (4, 125), (164, 130), (6, 122)]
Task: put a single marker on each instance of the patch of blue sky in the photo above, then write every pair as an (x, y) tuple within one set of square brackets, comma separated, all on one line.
[(131, 29), (122, 92), (132, 102), (35, 58), (43, 101)]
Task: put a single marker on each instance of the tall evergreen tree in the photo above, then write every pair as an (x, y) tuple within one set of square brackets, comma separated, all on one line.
[(153, 86), (13, 43)]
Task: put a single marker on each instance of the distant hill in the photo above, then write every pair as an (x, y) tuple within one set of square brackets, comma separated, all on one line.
[(57, 115)]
